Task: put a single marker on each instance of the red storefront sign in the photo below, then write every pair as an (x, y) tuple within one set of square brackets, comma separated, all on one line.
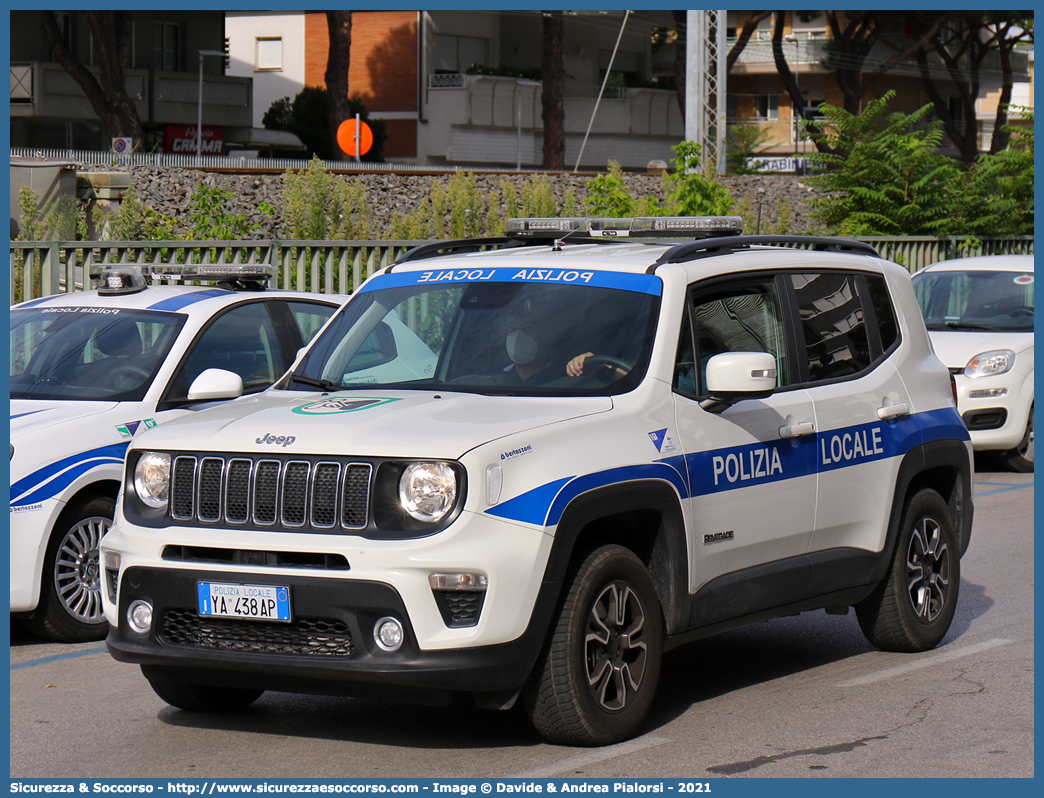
[(182, 138)]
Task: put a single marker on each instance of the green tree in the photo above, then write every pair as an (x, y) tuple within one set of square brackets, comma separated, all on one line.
[(743, 142), (307, 118), (997, 192), (884, 173)]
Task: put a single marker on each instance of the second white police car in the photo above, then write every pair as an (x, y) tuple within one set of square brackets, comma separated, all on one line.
[(89, 371), (591, 448)]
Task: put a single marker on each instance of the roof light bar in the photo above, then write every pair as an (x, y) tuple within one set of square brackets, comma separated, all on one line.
[(642, 226), (196, 272), (544, 227), (122, 280)]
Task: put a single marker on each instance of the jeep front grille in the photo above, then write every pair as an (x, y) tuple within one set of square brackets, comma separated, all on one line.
[(310, 495)]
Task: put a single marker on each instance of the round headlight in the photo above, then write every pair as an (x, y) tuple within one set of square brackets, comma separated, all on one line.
[(427, 490), (986, 364), (152, 478)]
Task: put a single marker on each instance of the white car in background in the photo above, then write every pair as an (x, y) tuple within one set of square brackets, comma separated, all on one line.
[(979, 314), (91, 370)]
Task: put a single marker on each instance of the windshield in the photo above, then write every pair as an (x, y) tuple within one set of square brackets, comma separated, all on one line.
[(1000, 301), (490, 331), (88, 353)]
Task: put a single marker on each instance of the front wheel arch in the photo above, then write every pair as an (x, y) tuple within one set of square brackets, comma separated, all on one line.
[(644, 516)]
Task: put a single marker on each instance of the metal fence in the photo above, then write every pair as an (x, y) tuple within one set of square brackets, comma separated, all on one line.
[(338, 267), (109, 158), (326, 267)]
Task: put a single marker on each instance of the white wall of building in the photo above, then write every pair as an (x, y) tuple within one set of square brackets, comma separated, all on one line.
[(244, 29)]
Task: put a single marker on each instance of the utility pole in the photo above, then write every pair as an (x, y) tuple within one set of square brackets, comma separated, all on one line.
[(705, 104)]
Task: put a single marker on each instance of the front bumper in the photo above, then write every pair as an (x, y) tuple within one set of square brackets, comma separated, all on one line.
[(328, 648), (995, 409)]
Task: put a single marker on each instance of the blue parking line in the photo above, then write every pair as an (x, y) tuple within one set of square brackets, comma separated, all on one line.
[(58, 658), (1003, 490)]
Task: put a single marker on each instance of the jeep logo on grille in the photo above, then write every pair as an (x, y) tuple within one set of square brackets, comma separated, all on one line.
[(281, 440)]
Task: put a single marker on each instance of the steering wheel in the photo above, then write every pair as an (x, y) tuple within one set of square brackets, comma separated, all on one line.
[(611, 364), (1021, 312), (127, 376)]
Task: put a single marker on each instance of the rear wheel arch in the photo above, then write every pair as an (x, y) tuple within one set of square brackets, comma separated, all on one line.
[(944, 467)]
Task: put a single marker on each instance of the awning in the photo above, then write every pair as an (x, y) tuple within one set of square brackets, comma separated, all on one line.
[(251, 138)]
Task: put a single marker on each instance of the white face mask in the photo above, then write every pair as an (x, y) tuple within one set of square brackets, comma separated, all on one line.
[(521, 347)]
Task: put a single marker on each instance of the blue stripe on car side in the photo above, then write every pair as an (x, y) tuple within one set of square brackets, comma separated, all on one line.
[(51, 489), (115, 451), (179, 302), (698, 474), (531, 506), (612, 476), (23, 415), (937, 425)]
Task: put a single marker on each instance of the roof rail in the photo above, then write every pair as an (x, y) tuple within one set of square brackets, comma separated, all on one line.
[(708, 247), (436, 248)]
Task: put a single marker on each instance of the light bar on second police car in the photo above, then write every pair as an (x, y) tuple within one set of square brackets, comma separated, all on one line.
[(642, 226), (199, 272)]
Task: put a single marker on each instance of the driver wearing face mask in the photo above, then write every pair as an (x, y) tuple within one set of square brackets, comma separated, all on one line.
[(528, 343)]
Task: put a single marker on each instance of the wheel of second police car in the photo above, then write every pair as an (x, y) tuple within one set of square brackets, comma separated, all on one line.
[(597, 676), (912, 608), (70, 608), (204, 697)]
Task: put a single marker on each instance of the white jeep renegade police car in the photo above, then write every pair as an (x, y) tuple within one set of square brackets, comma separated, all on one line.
[(91, 370), (595, 447)]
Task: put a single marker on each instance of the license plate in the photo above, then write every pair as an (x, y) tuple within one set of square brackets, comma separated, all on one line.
[(250, 602)]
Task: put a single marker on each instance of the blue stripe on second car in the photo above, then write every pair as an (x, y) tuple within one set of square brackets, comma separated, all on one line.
[(732, 468), (184, 300), (112, 453)]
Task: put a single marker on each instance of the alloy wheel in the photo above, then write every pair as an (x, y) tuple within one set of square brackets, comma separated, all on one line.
[(77, 571), (927, 569), (615, 649)]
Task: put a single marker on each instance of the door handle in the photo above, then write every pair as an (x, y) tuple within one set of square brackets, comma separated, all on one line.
[(796, 430), (893, 411)]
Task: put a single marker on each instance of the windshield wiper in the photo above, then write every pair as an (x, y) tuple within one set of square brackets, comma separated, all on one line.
[(326, 385), (960, 325)]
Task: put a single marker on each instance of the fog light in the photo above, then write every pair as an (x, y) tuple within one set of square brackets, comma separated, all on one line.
[(387, 633), (471, 582), (987, 393), (139, 616)]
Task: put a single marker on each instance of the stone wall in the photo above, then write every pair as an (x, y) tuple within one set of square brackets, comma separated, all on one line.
[(168, 190)]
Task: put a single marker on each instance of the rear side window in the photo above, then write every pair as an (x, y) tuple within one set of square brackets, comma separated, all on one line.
[(833, 325), (883, 310)]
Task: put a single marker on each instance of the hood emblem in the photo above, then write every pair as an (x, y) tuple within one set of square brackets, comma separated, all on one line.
[(278, 440)]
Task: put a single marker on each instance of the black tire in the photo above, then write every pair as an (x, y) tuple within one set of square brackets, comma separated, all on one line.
[(912, 608), (597, 676), (70, 608), (1021, 457), (204, 697)]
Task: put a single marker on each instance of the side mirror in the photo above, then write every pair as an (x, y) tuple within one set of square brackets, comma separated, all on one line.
[(216, 384), (732, 376)]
